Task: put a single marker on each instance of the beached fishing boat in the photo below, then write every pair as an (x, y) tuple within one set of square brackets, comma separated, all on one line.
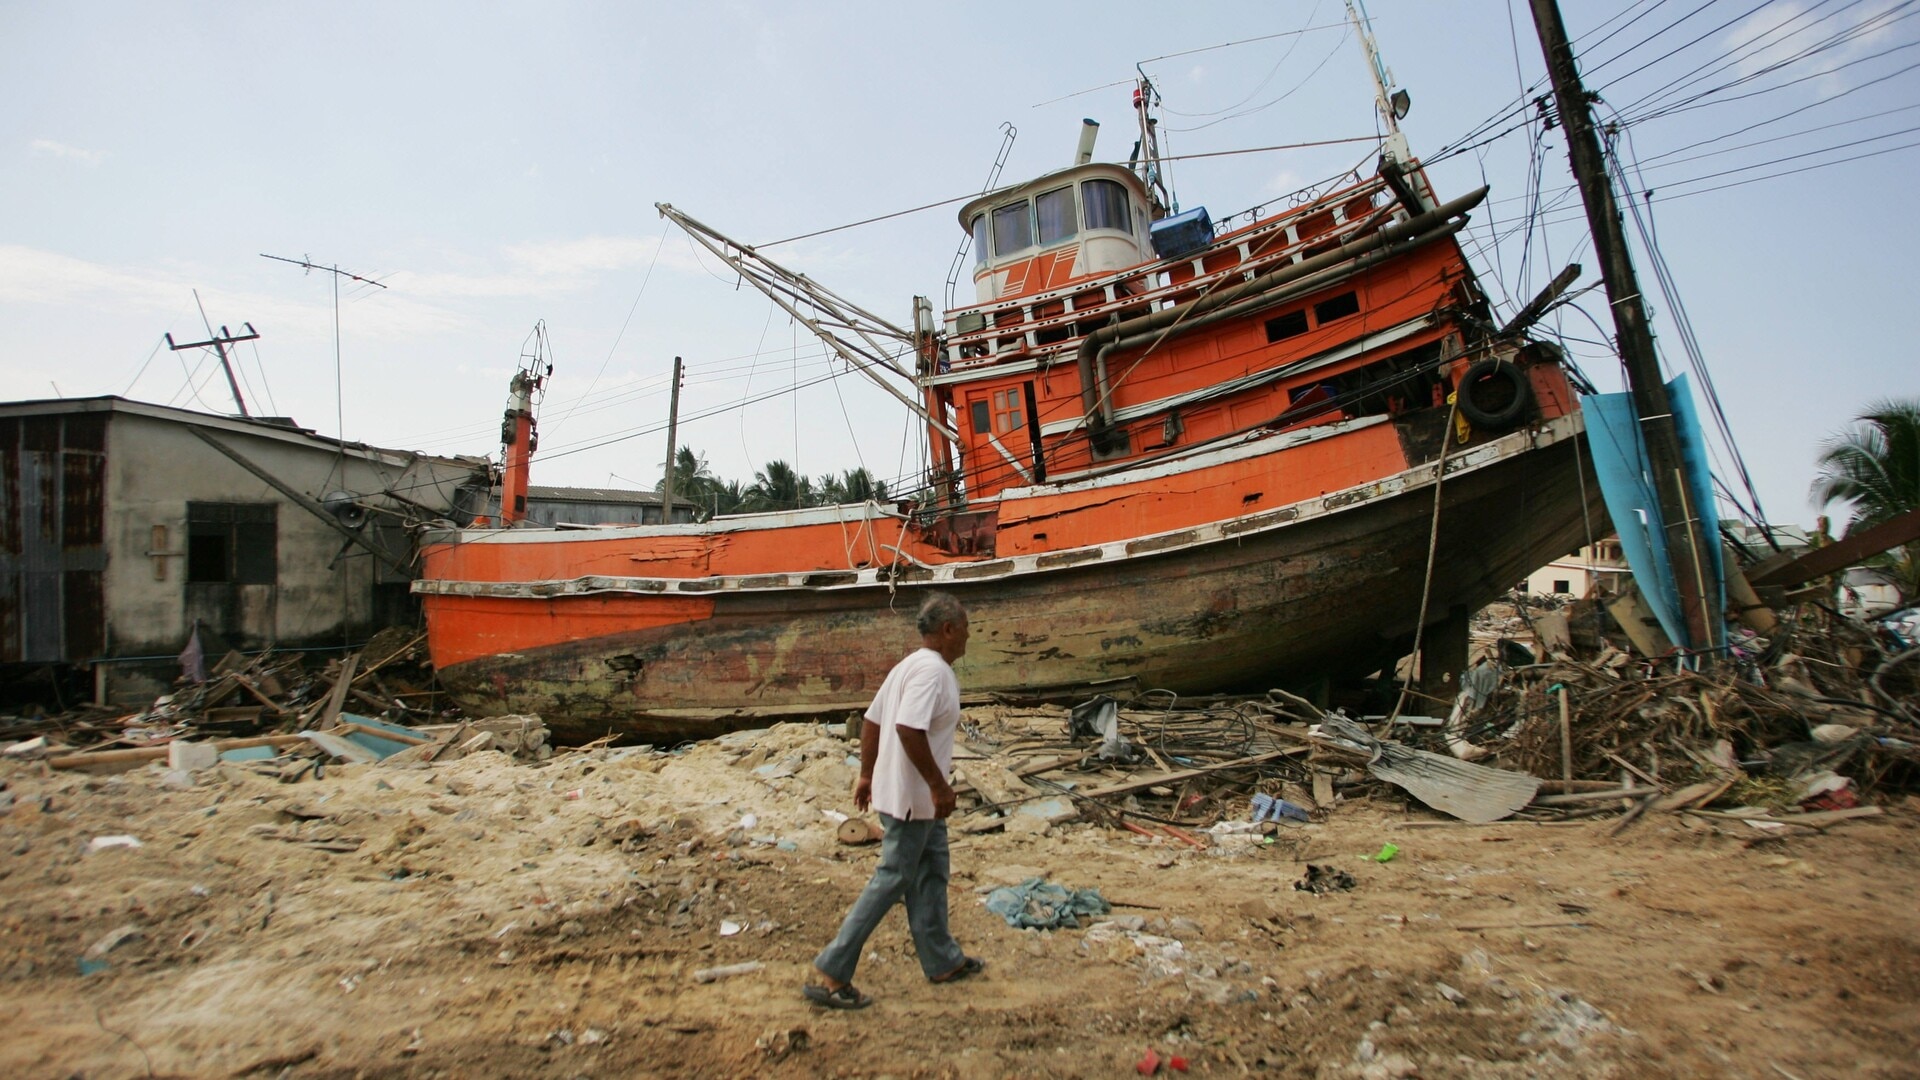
[(1201, 458)]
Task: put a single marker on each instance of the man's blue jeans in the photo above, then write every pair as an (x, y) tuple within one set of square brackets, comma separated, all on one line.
[(913, 868)]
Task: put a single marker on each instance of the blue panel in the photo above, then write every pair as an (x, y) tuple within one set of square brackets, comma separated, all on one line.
[(1620, 460), (1699, 474), (1182, 234)]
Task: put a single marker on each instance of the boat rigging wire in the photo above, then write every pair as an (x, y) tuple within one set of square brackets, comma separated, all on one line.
[(1433, 551), (618, 337), (1341, 25), (1309, 77), (1262, 84), (975, 195)]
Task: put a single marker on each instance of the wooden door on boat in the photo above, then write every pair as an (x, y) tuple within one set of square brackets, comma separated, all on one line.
[(1000, 437)]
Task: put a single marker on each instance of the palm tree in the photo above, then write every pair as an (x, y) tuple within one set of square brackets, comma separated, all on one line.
[(693, 482), (1875, 467), (858, 485), (725, 498), (778, 487), (850, 486)]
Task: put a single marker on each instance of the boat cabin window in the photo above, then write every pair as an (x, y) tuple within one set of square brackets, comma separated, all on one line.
[(1007, 413), (1057, 219), (1337, 308), (982, 425), (1106, 202), (980, 251), (1012, 229)]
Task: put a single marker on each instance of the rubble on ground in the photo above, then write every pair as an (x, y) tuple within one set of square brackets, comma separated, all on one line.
[(1289, 885)]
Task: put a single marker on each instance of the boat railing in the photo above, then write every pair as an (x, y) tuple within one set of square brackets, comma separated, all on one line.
[(1053, 322)]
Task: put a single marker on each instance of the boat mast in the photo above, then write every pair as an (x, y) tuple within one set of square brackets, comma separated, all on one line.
[(517, 436), (1635, 335), (1145, 159), (1395, 155)]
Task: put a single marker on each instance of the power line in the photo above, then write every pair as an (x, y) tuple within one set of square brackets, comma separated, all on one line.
[(1719, 62)]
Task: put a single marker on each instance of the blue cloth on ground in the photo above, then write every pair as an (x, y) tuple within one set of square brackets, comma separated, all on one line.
[(1037, 904)]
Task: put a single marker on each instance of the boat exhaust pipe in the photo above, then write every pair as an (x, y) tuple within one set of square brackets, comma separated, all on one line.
[(1089, 130)]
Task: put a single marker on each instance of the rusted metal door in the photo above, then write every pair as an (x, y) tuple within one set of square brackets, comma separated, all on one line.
[(52, 524)]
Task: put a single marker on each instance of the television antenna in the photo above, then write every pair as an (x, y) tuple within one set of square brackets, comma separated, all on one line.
[(306, 263)]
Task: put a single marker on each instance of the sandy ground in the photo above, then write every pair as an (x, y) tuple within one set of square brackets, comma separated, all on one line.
[(490, 918)]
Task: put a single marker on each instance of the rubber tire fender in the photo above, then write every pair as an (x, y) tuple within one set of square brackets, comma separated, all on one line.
[(1495, 394)]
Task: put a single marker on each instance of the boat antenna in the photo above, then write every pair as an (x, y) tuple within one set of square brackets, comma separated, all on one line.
[(1146, 159), (1393, 104), (993, 177)]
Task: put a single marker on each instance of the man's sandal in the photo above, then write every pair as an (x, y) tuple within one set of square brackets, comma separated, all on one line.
[(847, 997), (971, 965)]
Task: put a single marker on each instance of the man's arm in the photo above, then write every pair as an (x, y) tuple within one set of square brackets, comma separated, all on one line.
[(869, 753), (914, 742)]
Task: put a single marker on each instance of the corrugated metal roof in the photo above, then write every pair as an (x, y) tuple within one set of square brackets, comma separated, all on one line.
[(604, 495)]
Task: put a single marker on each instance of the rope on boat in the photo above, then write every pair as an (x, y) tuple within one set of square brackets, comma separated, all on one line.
[(1433, 549)]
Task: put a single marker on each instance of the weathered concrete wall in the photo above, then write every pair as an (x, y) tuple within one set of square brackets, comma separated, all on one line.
[(319, 594)]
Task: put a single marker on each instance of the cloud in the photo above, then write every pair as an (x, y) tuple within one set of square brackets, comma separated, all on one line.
[(36, 278), (48, 148), (30, 276), (1782, 31), (547, 267)]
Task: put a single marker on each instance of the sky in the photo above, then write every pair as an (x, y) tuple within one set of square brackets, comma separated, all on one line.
[(495, 167)]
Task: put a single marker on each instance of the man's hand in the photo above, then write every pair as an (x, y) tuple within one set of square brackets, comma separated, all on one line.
[(863, 793), (944, 800)]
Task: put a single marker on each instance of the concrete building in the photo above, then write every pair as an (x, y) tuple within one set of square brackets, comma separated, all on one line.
[(124, 525), (1574, 575), (598, 506)]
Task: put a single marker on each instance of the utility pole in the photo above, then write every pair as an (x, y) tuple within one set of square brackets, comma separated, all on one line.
[(1635, 335), (219, 343), (673, 420)]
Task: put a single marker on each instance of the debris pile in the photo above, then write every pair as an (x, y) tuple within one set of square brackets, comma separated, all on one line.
[(271, 714), (1799, 729)]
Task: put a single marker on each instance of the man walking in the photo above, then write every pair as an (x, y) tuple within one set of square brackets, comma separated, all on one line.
[(906, 757)]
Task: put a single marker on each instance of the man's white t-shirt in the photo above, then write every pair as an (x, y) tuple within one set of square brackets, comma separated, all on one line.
[(920, 692)]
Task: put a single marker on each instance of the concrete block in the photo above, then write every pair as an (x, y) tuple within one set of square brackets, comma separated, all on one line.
[(191, 756)]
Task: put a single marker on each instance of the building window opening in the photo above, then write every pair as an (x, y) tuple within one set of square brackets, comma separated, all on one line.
[(234, 543), (1055, 211), (1562, 585)]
